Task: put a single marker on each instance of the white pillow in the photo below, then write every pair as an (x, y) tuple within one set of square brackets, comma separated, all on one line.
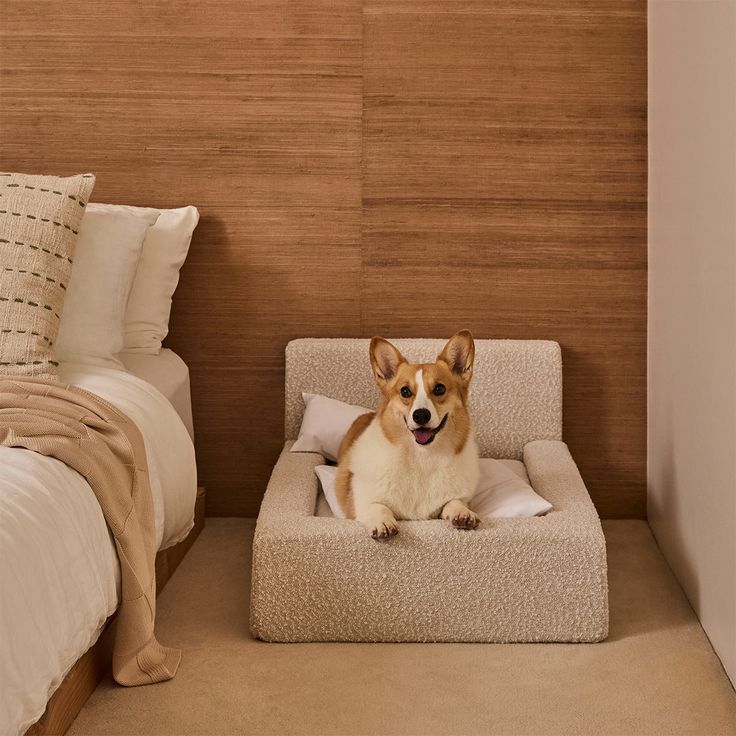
[(501, 492), (105, 261), (164, 252), (324, 424), (327, 475)]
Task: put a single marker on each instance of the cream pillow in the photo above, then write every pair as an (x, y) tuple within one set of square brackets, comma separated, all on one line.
[(164, 252), (324, 424), (40, 218), (108, 250), (501, 492)]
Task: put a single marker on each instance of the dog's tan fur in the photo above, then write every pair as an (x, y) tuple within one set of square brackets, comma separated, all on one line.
[(384, 473), (343, 480)]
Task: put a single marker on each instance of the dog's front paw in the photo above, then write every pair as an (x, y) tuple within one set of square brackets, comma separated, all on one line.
[(465, 519), (459, 515), (384, 530), (379, 521)]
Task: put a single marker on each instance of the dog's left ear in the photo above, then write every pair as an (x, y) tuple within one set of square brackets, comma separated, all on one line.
[(458, 354)]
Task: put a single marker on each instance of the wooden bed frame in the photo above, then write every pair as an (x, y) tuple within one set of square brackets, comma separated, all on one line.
[(91, 667)]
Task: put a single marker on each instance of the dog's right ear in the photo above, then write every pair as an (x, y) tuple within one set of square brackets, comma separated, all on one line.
[(385, 360)]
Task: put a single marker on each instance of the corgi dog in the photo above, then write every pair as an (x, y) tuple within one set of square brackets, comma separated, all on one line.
[(415, 457)]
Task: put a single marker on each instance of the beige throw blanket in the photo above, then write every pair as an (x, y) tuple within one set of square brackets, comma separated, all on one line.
[(98, 441)]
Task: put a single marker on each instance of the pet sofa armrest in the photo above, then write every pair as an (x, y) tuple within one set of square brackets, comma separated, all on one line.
[(292, 488), (287, 509), (555, 476)]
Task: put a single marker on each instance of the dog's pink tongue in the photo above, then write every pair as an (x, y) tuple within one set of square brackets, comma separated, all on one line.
[(422, 435)]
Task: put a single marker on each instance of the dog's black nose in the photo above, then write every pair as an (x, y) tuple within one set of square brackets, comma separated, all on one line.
[(421, 416)]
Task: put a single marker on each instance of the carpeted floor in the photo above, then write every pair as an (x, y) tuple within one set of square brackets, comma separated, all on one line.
[(656, 674)]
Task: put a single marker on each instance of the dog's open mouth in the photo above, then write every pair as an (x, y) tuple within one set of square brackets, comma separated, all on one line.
[(424, 435)]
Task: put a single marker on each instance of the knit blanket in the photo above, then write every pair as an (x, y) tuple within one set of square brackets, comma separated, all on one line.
[(97, 440)]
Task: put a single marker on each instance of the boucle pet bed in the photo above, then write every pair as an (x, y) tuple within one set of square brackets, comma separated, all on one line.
[(510, 580)]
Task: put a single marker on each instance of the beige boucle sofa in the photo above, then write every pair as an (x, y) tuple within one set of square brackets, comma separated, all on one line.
[(510, 580)]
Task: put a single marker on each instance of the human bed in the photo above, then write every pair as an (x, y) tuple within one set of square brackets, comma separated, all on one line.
[(61, 575)]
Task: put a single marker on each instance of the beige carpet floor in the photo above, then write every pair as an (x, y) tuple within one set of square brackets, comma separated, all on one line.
[(656, 674)]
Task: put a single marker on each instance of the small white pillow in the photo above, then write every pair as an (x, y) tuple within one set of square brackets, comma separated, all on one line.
[(327, 475), (164, 252), (504, 493), (105, 261), (501, 492), (324, 424)]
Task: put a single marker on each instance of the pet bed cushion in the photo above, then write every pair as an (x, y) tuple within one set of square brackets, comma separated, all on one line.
[(511, 580), (503, 491)]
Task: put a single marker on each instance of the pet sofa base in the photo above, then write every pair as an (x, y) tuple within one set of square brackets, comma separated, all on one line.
[(541, 579)]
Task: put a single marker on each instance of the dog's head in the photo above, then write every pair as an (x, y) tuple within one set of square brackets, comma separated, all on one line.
[(425, 402)]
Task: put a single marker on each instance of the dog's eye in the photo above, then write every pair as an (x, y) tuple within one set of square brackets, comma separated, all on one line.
[(406, 392), (439, 389)]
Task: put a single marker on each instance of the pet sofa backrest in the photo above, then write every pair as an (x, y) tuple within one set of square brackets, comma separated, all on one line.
[(515, 396)]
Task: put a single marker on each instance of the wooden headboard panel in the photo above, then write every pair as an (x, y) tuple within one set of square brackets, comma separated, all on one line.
[(396, 167)]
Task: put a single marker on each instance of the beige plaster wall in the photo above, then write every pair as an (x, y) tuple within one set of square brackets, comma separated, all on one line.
[(692, 305)]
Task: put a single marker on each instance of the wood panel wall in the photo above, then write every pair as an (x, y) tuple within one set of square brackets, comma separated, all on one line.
[(364, 166)]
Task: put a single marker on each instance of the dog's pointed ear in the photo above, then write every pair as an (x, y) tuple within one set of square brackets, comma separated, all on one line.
[(385, 360), (459, 354)]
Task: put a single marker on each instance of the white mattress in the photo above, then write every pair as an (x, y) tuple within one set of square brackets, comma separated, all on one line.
[(169, 374), (59, 575)]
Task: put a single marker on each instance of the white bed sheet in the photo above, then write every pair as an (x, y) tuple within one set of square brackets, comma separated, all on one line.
[(59, 573), (169, 374)]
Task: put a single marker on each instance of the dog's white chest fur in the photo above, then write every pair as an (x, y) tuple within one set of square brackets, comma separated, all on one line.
[(412, 480)]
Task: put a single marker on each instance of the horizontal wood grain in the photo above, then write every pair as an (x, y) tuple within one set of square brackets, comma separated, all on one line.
[(405, 167), (251, 111), (504, 190)]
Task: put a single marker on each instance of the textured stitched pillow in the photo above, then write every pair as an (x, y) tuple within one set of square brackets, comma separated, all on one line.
[(149, 306), (105, 261), (40, 217)]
